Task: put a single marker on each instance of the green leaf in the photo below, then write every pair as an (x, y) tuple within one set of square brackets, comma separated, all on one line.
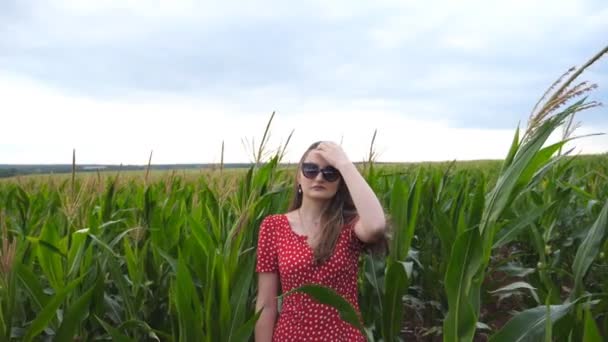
[(76, 252), (513, 287), (134, 266), (579, 190), (46, 315), (591, 332), (170, 260), (514, 228), (374, 272), (525, 163), (47, 245), (512, 150), (109, 223), (465, 261), (245, 331), (396, 283), (107, 204), (399, 200), (529, 325), (103, 244), (239, 296), (399, 206), (202, 236), (152, 333), (49, 255), (328, 296), (538, 164), (413, 204), (32, 285), (76, 312), (115, 333), (119, 237), (123, 287), (475, 209), (187, 304), (516, 270), (589, 249), (223, 297)]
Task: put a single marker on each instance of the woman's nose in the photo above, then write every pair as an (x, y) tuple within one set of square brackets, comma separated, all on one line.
[(319, 175)]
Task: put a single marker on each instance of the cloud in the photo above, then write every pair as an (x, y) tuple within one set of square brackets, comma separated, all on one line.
[(182, 130), (468, 67)]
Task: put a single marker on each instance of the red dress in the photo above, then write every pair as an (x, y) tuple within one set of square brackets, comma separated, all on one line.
[(301, 318)]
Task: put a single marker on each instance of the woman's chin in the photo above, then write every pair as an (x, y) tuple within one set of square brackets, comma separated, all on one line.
[(320, 195)]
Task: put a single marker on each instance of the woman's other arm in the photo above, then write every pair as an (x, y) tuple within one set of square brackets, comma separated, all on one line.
[(268, 286)]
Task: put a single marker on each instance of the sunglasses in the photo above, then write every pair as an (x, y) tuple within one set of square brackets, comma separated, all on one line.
[(311, 170)]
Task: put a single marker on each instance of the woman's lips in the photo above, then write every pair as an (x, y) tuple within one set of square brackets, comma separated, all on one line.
[(318, 187)]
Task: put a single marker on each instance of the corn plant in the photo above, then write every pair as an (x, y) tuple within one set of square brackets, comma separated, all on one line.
[(170, 257)]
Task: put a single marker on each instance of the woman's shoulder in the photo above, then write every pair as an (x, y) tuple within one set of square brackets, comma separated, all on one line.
[(273, 219), (281, 217), (350, 220)]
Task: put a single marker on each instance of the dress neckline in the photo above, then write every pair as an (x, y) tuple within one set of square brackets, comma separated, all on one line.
[(303, 237)]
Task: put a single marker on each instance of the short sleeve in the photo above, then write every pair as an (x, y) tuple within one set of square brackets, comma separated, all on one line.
[(267, 260)]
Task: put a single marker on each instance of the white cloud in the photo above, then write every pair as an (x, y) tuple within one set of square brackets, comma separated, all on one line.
[(477, 25), (421, 73), (184, 129)]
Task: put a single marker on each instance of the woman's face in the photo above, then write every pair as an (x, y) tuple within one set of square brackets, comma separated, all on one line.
[(325, 179)]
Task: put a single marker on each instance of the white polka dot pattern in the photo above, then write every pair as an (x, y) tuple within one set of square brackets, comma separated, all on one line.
[(281, 250)]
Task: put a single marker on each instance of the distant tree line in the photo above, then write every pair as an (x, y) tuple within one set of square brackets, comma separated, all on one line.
[(15, 170), (10, 172)]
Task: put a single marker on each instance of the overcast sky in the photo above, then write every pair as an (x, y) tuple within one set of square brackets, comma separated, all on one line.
[(439, 80)]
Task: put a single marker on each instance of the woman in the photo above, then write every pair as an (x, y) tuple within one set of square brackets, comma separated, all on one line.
[(333, 215)]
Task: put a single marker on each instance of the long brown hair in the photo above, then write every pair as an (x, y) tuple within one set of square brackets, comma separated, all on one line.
[(341, 210)]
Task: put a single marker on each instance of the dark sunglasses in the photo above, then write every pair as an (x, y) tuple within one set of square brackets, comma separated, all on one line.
[(311, 170)]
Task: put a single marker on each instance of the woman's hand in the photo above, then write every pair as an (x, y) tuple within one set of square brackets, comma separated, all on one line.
[(371, 225), (333, 154)]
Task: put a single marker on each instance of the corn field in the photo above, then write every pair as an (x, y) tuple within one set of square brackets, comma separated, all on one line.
[(513, 250)]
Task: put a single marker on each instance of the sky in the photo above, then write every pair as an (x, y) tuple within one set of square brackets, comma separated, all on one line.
[(437, 80)]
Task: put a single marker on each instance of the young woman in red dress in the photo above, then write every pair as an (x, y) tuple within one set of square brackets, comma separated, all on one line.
[(334, 214)]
